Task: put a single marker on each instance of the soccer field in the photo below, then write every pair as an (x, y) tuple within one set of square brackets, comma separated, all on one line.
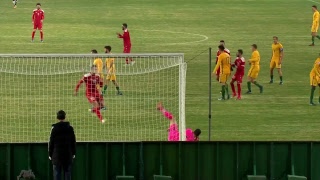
[(181, 26)]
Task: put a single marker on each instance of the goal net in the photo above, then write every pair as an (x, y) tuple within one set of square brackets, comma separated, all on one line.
[(34, 87)]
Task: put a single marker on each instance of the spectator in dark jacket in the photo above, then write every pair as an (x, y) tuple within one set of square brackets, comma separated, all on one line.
[(62, 147)]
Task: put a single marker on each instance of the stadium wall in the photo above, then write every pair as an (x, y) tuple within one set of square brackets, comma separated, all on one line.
[(182, 161)]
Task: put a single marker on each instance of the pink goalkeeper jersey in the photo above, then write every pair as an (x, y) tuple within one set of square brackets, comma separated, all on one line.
[(174, 134)]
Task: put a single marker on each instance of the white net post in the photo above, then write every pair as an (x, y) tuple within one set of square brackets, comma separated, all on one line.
[(35, 86), (182, 94)]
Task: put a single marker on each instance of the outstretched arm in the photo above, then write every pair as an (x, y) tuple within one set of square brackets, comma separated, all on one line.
[(78, 86), (164, 112)]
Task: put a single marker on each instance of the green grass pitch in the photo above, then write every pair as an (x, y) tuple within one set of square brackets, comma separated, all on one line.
[(190, 27)]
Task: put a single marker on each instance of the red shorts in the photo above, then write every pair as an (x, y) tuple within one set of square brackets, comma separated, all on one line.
[(37, 26), (238, 77), (127, 49), (94, 97), (218, 72)]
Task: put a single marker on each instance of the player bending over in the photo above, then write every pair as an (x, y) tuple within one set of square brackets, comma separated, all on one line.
[(315, 79), (173, 131), (92, 93), (37, 20), (15, 2), (126, 42), (224, 63), (218, 53), (239, 63), (254, 69), (276, 59), (315, 24), (111, 72)]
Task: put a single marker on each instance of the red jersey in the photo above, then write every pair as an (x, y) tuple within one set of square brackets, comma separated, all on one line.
[(92, 81), (126, 38), (37, 16), (239, 63), (218, 53)]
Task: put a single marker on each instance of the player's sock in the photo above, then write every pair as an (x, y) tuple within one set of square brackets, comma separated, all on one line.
[(318, 36), (239, 90), (33, 33), (249, 86), (98, 113), (166, 114), (233, 88), (41, 35), (257, 84), (118, 89), (223, 91), (280, 78), (271, 78), (104, 89), (312, 39)]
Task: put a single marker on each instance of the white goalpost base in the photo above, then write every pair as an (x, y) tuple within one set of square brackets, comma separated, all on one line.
[(35, 86)]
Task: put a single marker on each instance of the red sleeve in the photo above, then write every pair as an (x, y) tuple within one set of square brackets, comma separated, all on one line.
[(42, 17), (33, 16), (79, 84), (121, 36)]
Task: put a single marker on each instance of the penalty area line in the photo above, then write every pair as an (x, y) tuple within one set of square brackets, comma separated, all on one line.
[(314, 1)]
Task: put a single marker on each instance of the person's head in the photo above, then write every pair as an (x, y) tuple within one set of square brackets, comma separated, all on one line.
[(124, 26), (107, 49), (222, 43), (314, 8), (94, 69), (239, 53), (275, 39), (254, 47), (94, 51), (197, 133), (38, 5), (61, 115), (221, 48)]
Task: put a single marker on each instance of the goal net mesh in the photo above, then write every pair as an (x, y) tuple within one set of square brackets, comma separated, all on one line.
[(34, 87)]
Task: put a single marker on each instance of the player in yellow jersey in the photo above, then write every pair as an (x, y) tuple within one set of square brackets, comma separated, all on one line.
[(315, 24), (224, 63), (276, 59), (315, 79), (254, 70), (111, 72), (98, 63)]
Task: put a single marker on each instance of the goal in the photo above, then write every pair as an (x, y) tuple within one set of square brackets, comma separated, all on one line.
[(33, 87)]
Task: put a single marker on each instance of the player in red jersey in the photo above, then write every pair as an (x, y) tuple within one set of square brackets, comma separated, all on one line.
[(126, 42), (239, 63), (37, 20), (93, 95), (218, 53)]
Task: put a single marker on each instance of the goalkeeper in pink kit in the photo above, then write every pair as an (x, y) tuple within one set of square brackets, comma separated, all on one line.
[(173, 131)]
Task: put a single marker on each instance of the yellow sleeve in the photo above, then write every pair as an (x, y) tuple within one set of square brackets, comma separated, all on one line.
[(280, 47), (95, 62), (316, 67), (217, 65), (316, 18), (254, 57)]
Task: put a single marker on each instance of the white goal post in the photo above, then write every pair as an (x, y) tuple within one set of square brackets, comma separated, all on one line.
[(33, 87)]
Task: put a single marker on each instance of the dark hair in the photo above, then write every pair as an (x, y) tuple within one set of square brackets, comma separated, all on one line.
[(38, 4), (222, 41), (61, 115), (221, 47), (255, 46), (125, 25), (108, 47), (94, 51), (314, 6), (240, 51), (275, 37), (197, 132)]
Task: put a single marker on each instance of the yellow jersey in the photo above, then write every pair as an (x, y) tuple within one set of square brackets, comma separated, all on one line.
[(316, 68), (224, 62), (255, 58), (276, 50), (315, 20), (98, 62), (111, 67)]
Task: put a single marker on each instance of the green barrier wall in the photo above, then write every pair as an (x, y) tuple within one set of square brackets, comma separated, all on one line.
[(182, 161)]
